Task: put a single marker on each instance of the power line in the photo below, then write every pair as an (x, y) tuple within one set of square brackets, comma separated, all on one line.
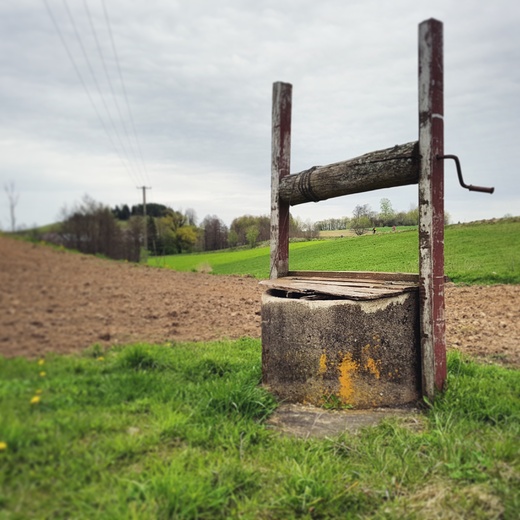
[(84, 84), (132, 123), (94, 77), (114, 97), (131, 165)]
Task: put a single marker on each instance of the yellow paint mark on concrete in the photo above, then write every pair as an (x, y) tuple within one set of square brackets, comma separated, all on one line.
[(347, 369), (370, 363), (373, 366), (323, 364)]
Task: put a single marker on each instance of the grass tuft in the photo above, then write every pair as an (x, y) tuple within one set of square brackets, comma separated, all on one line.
[(145, 357)]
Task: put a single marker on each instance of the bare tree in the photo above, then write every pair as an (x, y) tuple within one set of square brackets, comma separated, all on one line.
[(386, 216), (191, 217), (13, 197), (362, 219), (90, 227), (215, 233)]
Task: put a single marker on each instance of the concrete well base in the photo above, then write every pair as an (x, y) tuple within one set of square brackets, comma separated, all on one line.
[(361, 354)]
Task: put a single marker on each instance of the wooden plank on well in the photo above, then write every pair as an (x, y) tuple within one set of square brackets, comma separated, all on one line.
[(349, 289), (352, 275)]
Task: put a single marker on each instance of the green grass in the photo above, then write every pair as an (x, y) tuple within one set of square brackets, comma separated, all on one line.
[(474, 253), (484, 253), (178, 431)]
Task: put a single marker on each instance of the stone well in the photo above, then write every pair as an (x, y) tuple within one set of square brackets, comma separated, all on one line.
[(359, 352)]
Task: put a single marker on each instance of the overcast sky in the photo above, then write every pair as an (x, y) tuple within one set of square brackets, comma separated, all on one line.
[(196, 91)]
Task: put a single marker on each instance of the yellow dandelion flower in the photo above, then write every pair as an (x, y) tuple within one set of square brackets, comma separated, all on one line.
[(35, 399), (3, 446), (100, 358), (43, 374), (41, 362)]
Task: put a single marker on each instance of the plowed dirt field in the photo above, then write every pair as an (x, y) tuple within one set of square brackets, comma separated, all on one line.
[(63, 302)]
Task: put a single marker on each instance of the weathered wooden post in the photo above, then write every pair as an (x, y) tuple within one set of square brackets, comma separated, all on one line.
[(431, 206), (280, 168)]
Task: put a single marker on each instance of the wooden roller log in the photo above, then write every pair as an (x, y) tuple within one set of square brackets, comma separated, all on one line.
[(397, 166)]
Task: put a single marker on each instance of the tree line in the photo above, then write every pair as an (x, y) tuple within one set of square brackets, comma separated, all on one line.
[(364, 218), (119, 232), (178, 232)]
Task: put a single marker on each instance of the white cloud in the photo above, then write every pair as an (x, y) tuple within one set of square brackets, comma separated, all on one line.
[(198, 76)]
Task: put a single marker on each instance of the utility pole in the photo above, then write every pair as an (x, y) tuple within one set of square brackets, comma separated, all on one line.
[(144, 188)]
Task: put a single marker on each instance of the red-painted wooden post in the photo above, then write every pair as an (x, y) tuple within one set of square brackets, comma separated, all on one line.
[(280, 167), (431, 206)]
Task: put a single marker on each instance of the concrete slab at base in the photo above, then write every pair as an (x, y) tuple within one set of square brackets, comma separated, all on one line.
[(361, 354), (309, 421)]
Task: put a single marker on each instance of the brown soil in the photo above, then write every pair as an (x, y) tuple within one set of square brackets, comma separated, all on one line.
[(62, 302)]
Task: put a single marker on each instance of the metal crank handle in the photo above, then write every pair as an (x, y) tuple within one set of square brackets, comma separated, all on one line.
[(469, 187)]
